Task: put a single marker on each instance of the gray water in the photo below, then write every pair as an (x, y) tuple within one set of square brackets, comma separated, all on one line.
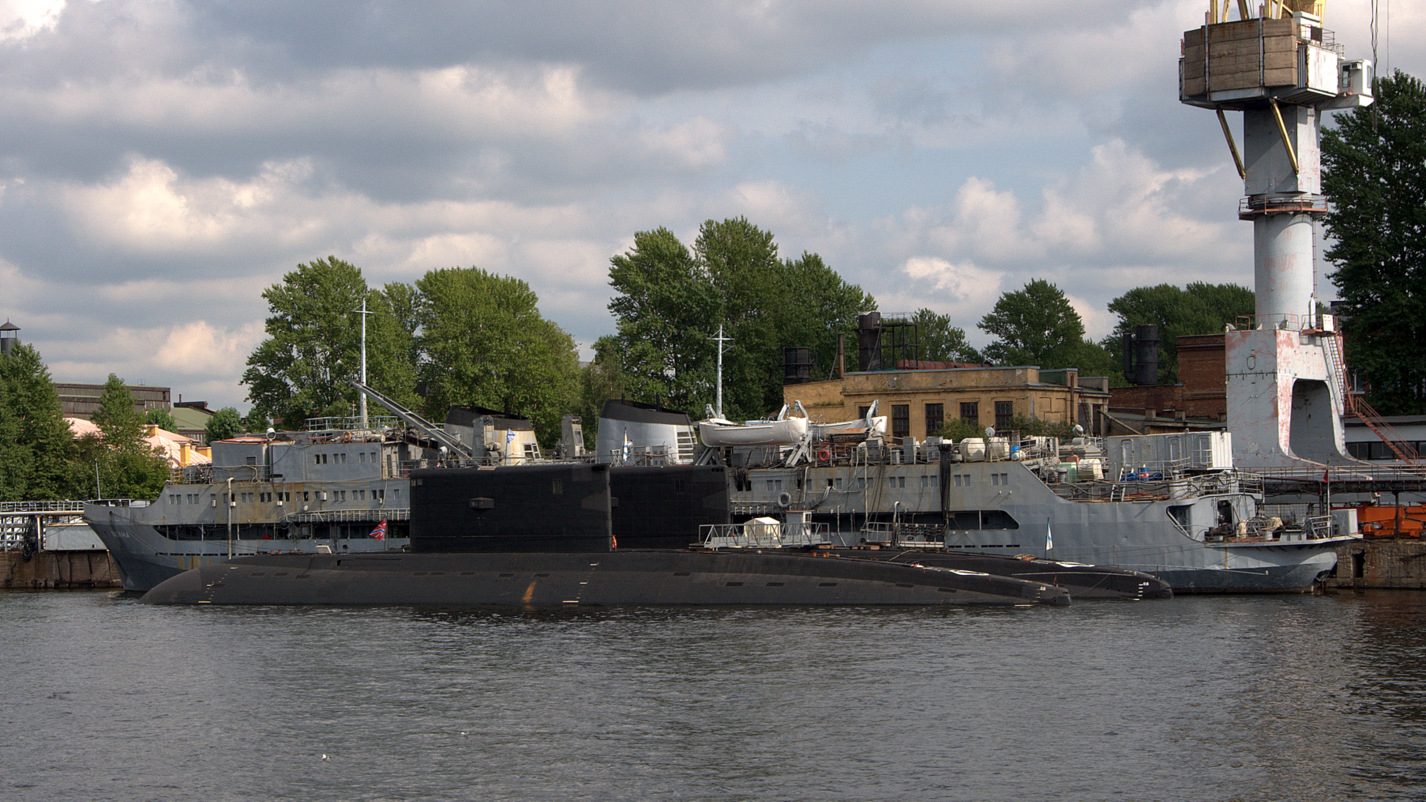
[(1250, 698)]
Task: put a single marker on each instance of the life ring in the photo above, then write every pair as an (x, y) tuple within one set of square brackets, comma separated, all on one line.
[(825, 455), (346, 437), (784, 499)]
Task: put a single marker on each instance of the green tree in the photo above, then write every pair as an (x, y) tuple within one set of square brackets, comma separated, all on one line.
[(1036, 325), (393, 351), (602, 379), (1198, 308), (484, 343), (815, 306), (669, 304), (224, 424), (1374, 173), (666, 310), (161, 418), (128, 467), (35, 443), (940, 341), (255, 422), (313, 345), (118, 419)]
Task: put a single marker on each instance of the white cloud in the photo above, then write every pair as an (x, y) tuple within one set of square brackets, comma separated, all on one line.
[(21, 19), (197, 348), (152, 209), (163, 163)]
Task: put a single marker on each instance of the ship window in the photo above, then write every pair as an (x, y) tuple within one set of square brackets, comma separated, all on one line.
[(362, 454), (1182, 515), (343, 455), (839, 483), (982, 519)]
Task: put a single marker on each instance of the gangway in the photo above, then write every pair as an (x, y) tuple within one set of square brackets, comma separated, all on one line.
[(431, 430)]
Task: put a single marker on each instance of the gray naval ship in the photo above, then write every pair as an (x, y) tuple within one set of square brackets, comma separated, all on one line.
[(341, 485), (1171, 505)]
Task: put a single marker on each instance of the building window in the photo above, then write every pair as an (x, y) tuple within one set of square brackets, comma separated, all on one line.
[(970, 412), (900, 420), (1004, 414), (862, 411), (935, 415)]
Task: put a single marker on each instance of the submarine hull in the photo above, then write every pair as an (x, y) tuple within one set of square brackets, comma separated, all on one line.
[(624, 577), (1083, 582)]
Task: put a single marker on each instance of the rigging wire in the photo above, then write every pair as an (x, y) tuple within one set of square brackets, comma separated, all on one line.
[(1375, 63)]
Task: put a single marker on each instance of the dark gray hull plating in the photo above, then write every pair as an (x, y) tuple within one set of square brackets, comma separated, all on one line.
[(655, 577), (1082, 581)]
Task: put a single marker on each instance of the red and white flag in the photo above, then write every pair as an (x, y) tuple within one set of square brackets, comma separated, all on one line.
[(380, 531)]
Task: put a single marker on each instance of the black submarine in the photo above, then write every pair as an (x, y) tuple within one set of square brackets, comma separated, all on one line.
[(582, 534)]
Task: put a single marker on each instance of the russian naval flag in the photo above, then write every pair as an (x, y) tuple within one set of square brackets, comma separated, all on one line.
[(380, 531)]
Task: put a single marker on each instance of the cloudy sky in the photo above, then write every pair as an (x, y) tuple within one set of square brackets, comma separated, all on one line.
[(162, 161)]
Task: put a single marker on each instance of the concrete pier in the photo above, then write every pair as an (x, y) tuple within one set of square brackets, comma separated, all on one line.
[(58, 570), (1388, 562)]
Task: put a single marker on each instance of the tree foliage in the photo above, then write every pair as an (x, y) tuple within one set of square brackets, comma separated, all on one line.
[(1374, 173), (161, 418), (669, 303), (1198, 308), (940, 341), (127, 466), (35, 443), (483, 343), (1036, 325), (666, 310), (313, 343), (224, 424), (467, 336)]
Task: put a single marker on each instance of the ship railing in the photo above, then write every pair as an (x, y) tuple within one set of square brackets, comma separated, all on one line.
[(373, 514), (902, 533), (192, 474), (1273, 529), (762, 535), (350, 423), (41, 506), (1147, 489)]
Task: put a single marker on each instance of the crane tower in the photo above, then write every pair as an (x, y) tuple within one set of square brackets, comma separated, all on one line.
[(1282, 70)]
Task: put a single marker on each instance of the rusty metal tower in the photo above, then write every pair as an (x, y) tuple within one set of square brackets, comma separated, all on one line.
[(1281, 69)]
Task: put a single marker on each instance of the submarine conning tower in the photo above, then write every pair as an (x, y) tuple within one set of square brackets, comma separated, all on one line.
[(1282, 70)]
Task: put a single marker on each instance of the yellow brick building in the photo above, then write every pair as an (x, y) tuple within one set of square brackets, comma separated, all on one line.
[(918, 402)]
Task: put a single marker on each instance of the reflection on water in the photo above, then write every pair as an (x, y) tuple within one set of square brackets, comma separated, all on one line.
[(1291, 697)]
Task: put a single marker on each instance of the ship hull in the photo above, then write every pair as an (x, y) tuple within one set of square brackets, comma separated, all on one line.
[(1003, 509), (541, 580), (146, 557), (1084, 582)]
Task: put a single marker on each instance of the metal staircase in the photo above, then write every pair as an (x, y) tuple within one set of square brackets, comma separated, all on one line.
[(431, 430), (1354, 404)]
